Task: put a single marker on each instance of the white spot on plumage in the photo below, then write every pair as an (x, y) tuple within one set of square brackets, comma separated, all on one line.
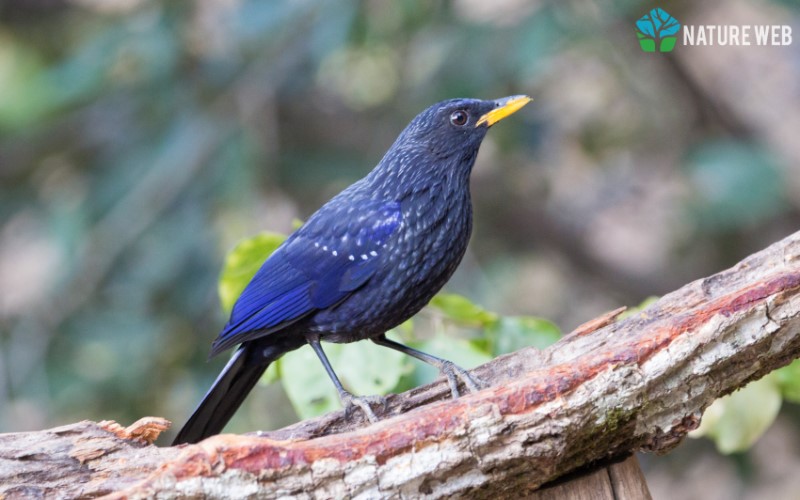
[(364, 256), (316, 244), (351, 258), (335, 253), (325, 248), (374, 253)]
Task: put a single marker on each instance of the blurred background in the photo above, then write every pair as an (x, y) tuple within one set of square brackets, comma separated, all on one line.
[(141, 140)]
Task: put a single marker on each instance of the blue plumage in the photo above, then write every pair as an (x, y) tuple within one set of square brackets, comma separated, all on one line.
[(366, 261), (317, 267)]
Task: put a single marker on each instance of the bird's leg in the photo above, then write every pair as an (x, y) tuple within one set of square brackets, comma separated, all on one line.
[(347, 399), (448, 368)]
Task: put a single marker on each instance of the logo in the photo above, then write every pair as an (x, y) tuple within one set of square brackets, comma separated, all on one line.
[(656, 31)]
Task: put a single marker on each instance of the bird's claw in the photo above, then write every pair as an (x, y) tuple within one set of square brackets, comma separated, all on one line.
[(364, 403), (454, 373)]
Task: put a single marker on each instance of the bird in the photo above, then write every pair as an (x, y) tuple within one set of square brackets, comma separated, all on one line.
[(365, 262)]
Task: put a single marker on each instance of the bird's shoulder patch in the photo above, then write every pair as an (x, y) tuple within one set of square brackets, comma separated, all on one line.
[(343, 254), (320, 265), (354, 231)]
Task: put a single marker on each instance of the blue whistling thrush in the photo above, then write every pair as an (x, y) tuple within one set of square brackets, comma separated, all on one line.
[(365, 262)]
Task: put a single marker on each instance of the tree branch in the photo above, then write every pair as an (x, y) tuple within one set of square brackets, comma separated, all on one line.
[(609, 388)]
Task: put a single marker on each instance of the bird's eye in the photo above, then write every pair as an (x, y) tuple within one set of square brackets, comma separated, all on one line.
[(459, 118)]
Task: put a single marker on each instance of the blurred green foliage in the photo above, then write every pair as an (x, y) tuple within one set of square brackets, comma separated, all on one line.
[(141, 140)]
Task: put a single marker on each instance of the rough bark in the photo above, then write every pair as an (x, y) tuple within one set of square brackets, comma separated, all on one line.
[(611, 387)]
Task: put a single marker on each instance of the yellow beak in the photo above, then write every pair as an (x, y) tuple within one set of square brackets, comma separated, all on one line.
[(505, 107)]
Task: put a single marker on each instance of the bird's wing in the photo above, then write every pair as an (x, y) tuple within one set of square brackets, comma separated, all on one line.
[(320, 265)]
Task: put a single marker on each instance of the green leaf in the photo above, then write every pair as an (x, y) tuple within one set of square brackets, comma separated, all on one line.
[(272, 374), (364, 369), (405, 329), (461, 309), (788, 379), (638, 308), (306, 384), (736, 421), (368, 368), (515, 332), (242, 263)]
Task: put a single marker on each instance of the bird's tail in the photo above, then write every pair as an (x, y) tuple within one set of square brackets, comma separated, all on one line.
[(229, 390)]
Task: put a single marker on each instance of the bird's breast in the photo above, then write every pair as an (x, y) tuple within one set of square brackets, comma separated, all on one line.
[(434, 238), (415, 263)]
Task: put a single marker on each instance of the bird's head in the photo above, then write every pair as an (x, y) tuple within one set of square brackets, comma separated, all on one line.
[(456, 127)]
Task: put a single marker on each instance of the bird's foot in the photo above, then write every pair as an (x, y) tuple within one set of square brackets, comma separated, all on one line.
[(364, 403), (454, 373)]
